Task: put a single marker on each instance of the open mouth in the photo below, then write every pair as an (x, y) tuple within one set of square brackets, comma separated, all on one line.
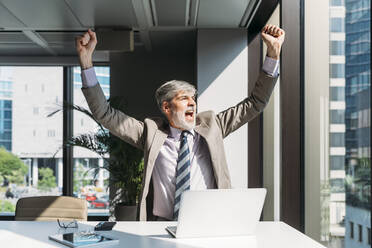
[(189, 115)]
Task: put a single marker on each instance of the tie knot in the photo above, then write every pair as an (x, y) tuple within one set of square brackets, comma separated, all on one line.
[(185, 133)]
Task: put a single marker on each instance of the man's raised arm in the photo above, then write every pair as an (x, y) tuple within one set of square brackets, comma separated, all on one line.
[(234, 117), (85, 46), (123, 126)]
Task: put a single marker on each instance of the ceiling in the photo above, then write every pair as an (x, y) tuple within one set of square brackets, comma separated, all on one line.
[(48, 27)]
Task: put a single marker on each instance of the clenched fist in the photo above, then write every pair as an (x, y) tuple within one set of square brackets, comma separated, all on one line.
[(273, 37), (85, 46)]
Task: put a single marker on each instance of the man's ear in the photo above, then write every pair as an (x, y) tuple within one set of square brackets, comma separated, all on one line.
[(165, 106)]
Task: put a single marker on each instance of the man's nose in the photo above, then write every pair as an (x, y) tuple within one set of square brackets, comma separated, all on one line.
[(192, 102)]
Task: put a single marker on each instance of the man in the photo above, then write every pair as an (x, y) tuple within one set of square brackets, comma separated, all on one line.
[(185, 151)]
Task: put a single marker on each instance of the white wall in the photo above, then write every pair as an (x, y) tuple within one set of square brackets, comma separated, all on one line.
[(222, 81)]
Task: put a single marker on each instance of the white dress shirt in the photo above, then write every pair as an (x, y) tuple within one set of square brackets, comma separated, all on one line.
[(164, 173)]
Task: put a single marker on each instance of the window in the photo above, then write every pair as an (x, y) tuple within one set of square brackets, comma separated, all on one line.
[(337, 70), (337, 162), (29, 138), (351, 230), (337, 2), (337, 47), (369, 235), (337, 122), (36, 110), (337, 25), (337, 140), (360, 231), (337, 116), (337, 185), (94, 188), (337, 94), (51, 133)]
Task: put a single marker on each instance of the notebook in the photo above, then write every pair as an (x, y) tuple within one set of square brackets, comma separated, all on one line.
[(84, 239)]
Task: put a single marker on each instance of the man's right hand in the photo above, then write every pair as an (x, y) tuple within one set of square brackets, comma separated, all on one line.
[(85, 47)]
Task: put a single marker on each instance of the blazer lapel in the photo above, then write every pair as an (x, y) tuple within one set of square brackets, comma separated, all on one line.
[(204, 131), (158, 141)]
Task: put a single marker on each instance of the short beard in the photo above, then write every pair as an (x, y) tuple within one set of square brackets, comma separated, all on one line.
[(180, 122)]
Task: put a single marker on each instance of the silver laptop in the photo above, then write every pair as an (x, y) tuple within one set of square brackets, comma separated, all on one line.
[(218, 212)]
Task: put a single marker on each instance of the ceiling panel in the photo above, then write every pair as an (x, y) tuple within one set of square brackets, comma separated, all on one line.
[(7, 20), (221, 13), (43, 14), (171, 12), (93, 13)]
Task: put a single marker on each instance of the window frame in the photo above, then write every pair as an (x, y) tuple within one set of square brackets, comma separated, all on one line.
[(292, 17), (67, 152)]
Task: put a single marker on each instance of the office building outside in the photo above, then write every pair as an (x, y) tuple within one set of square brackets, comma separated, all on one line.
[(6, 93), (345, 192), (333, 187), (27, 96), (358, 124)]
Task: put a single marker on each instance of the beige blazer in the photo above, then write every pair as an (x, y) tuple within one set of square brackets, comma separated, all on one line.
[(150, 134)]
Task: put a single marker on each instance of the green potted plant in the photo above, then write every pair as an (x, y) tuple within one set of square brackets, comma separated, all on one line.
[(125, 163)]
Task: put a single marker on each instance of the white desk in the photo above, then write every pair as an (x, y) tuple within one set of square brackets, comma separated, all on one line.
[(152, 234)]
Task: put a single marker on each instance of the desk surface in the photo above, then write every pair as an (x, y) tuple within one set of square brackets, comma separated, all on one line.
[(152, 234)]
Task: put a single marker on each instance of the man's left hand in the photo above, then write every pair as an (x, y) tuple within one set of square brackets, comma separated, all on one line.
[(273, 37)]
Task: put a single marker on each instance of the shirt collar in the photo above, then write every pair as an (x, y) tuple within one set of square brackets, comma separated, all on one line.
[(176, 133)]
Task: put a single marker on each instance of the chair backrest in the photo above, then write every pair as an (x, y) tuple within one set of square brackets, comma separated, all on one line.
[(49, 208)]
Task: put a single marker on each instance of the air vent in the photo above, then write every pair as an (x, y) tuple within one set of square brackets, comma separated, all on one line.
[(60, 37), (14, 37)]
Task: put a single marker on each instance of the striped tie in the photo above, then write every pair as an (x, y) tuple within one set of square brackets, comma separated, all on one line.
[(182, 173)]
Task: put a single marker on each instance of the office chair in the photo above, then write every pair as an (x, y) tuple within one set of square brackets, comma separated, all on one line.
[(49, 208)]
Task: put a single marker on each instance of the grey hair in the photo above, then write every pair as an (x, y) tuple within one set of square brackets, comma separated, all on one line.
[(167, 91)]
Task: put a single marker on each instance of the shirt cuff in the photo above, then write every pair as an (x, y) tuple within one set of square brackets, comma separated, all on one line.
[(271, 66), (88, 78)]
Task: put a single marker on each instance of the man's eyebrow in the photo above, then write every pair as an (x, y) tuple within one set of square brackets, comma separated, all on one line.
[(184, 95)]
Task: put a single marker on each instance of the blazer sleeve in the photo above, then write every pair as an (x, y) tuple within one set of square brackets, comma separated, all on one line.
[(232, 118), (121, 125)]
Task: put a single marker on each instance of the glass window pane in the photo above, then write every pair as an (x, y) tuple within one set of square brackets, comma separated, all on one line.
[(337, 94), (337, 70), (337, 116), (337, 2), (90, 183), (32, 159), (337, 162), (337, 47), (337, 185), (337, 24), (337, 140), (339, 153)]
